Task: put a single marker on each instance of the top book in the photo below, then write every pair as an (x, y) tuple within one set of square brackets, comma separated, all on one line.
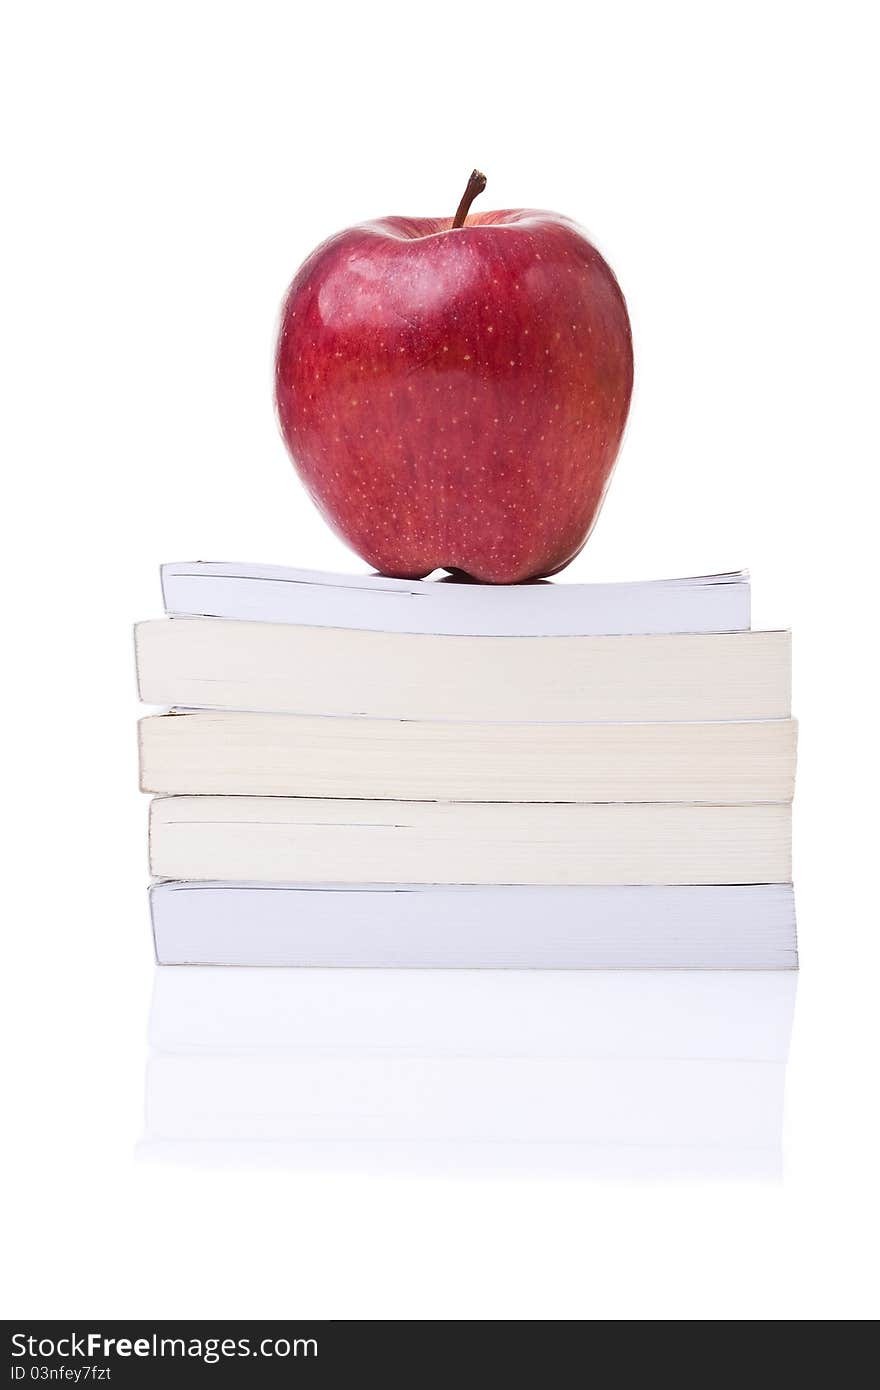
[(274, 594)]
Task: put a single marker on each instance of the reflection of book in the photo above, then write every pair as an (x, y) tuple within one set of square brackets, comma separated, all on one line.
[(274, 594), (562, 1100), (537, 1157), (746, 927), (299, 840), (646, 1074), (661, 1014)]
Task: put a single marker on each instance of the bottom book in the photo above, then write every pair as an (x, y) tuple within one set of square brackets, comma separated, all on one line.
[(745, 927)]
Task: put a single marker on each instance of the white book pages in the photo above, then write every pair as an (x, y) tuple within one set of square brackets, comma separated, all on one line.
[(750, 928), (275, 594)]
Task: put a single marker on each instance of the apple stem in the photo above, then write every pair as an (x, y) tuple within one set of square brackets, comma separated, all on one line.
[(475, 185)]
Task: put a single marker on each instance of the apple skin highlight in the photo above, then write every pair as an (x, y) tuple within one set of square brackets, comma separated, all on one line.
[(455, 397)]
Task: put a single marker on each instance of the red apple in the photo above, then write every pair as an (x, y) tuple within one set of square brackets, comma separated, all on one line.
[(453, 391)]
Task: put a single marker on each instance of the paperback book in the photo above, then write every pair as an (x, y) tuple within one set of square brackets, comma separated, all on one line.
[(475, 927), (275, 594)]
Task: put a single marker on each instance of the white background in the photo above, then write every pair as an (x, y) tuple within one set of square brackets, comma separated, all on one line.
[(166, 169)]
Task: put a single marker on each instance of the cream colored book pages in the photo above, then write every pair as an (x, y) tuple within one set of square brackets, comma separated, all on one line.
[(216, 664), (295, 755), (294, 840)]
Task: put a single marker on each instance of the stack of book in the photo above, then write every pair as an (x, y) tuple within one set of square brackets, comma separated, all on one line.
[(376, 772)]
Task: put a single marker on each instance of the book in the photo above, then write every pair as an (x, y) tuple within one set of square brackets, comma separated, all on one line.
[(213, 663), (274, 594), (661, 1074), (456, 927), (302, 840), (230, 753)]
